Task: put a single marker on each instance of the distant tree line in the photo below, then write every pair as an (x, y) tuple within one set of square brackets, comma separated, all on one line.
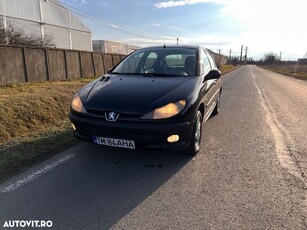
[(270, 58), (14, 35)]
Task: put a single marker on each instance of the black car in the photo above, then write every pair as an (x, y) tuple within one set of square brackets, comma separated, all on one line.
[(157, 97)]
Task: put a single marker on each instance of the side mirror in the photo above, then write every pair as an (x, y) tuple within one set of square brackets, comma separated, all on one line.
[(213, 74)]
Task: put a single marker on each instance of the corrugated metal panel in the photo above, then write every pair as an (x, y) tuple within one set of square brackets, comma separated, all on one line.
[(55, 15), (75, 23), (27, 9), (26, 14), (1, 9), (64, 17), (60, 36), (27, 26), (81, 40)]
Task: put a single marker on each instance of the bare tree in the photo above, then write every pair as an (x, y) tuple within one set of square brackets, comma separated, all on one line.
[(270, 58), (17, 36)]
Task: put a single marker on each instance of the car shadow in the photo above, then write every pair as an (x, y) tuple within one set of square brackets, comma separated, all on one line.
[(96, 188), (118, 180)]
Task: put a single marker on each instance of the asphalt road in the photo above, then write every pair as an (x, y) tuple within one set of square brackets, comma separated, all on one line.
[(250, 173)]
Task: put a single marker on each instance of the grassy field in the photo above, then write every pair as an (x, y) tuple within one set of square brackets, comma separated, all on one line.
[(227, 68), (34, 124), (298, 71)]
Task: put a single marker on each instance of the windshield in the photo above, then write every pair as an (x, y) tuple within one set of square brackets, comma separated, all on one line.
[(160, 62)]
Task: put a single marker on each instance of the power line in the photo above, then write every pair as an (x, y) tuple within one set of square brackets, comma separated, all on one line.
[(178, 40), (103, 21)]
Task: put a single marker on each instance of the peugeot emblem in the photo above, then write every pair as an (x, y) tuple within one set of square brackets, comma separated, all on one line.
[(111, 116)]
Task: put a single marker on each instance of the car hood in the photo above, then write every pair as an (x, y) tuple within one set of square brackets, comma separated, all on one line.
[(135, 94)]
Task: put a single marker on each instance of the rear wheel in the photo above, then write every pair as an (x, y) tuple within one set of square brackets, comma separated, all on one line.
[(195, 142)]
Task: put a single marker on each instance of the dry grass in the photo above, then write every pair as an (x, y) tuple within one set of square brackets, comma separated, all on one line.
[(34, 123), (34, 108), (293, 70), (228, 68)]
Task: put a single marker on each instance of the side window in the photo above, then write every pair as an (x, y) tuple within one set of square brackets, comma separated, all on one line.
[(174, 60), (205, 64), (150, 60)]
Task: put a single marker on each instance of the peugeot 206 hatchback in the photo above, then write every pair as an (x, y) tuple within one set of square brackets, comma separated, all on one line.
[(157, 97)]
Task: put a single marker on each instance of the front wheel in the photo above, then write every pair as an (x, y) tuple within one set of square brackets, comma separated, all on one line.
[(195, 142)]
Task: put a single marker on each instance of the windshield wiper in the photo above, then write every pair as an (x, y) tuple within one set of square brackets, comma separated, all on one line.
[(155, 74), (120, 73), (148, 74)]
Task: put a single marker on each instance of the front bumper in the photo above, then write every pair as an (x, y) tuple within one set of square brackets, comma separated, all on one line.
[(150, 135)]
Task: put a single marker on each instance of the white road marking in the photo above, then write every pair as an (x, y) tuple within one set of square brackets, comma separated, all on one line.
[(279, 134), (34, 175)]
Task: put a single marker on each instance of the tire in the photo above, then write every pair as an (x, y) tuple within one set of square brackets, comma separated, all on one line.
[(217, 106), (195, 142)]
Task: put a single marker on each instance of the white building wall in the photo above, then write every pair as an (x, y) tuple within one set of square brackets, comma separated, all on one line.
[(105, 46), (47, 17)]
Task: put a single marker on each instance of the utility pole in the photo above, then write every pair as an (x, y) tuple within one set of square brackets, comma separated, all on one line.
[(230, 54), (246, 49), (280, 56), (241, 53)]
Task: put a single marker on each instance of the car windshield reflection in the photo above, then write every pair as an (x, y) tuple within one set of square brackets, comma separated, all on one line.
[(168, 62)]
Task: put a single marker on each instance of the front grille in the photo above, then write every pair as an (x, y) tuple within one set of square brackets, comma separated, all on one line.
[(96, 112), (118, 133), (122, 116)]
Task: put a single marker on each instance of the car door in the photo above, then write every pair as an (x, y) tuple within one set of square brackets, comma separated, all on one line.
[(209, 85), (217, 83)]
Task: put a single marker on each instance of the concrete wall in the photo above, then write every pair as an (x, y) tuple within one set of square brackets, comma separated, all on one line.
[(218, 58), (116, 59), (87, 65), (36, 65), (107, 61), (11, 65), (57, 65), (98, 64), (28, 64), (73, 64)]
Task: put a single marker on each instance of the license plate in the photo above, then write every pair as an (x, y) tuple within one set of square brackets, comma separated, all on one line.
[(114, 142)]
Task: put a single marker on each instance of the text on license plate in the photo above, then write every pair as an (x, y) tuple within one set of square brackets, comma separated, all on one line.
[(114, 142)]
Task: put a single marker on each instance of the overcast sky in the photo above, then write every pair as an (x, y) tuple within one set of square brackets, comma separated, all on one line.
[(262, 25)]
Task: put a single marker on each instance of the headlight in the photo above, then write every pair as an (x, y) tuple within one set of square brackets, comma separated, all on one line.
[(166, 111), (76, 104)]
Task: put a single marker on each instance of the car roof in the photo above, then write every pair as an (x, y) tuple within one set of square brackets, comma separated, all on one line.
[(173, 46)]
